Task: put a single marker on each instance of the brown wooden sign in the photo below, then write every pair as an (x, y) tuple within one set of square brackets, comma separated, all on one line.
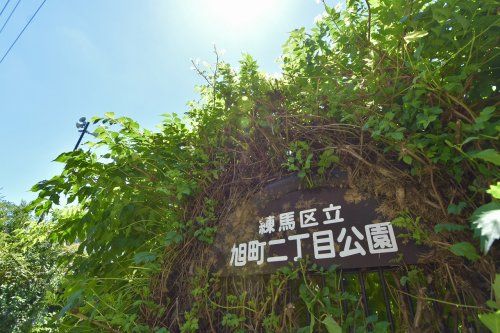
[(330, 225)]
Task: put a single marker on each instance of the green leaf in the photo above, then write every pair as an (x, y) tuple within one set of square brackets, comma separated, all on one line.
[(183, 190), (305, 329), (404, 280), (456, 209), (469, 139), (398, 136), (494, 190), (331, 325), (162, 330), (486, 224), (491, 320), (407, 159), (448, 227), (71, 302), (110, 115), (415, 35), (496, 289), (488, 155), (465, 249), (484, 117), (381, 327), (172, 237), (143, 257), (326, 159), (62, 158), (492, 304)]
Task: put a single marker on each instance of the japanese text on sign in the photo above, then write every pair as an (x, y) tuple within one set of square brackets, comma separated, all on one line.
[(379, 238)]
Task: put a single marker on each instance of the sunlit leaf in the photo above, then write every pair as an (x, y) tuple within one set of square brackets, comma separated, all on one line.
[(415, 35), (494, 190), (491, 320)]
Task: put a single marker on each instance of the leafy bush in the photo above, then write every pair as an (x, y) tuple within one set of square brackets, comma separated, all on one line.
[(28, 271)]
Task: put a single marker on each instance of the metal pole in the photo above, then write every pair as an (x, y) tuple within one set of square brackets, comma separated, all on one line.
[(81, 135), (443, 327), (361, 277), (386, 299), (343, 289), (345, 308), (410, 303)]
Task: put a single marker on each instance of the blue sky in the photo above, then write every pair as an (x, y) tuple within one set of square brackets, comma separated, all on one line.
[(84, 58)]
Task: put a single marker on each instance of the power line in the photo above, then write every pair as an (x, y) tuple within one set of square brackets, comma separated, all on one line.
[(5, 6), (8, 18), (18, 36)]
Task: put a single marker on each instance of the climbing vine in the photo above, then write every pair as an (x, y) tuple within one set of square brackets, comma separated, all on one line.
[(400, 94)]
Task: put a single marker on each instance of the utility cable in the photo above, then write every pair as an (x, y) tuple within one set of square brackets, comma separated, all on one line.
[(8, 18), (5, 6), (18, 36)]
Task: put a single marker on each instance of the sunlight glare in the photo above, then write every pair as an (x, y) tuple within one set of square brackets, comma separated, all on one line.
[(241, 14)]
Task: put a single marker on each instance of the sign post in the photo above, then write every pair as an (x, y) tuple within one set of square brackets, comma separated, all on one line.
[(330, 225)]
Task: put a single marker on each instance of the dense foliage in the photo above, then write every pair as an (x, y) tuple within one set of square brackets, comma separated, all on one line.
[(28, 271), (402, 93)]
